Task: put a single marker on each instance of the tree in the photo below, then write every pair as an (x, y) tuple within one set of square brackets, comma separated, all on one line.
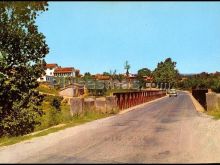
[(144, 72), (166, 72), (23, 49), (119, 77), (106, 74), (140, 76), (127, 67), (87, 76)]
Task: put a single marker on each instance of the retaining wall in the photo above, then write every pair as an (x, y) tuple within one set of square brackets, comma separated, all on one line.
[(104, 104), (213, 101)]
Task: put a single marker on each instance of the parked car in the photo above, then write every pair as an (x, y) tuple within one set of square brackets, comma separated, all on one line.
[(172, 92)]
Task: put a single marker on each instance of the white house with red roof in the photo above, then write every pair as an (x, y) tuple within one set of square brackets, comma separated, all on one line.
[(49, 70), (53, 70), (65, 72)]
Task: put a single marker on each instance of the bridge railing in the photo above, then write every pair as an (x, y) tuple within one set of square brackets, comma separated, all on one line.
[(129, 99)]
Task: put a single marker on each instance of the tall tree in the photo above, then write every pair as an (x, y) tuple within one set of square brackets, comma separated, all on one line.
[(140, 76), (144, 72), (166, 72), (22, 48), (127, 67), (107, 73)]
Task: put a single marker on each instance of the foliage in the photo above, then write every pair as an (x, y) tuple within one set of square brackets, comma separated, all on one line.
[(166, 72), (22, 48), (47, 89), (144, 72), (127, 67), (56, 104), (119, 77), (106, 74), (54, 112), (87, 76), (66, 121), (61, 82), (97, 92), (201, 81), (215, 85), (140, 76)]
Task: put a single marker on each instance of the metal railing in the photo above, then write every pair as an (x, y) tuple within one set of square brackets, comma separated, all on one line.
[(129, 99)]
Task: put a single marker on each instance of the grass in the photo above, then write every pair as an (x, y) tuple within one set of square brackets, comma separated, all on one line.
[(46, 89), (54, 117), (76, 120), (215, 113)]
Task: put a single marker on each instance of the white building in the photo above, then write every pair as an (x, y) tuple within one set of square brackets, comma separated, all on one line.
[(65, 72), (48, 77)]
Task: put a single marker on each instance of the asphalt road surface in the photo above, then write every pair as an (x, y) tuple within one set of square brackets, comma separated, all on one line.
[(169, 130)]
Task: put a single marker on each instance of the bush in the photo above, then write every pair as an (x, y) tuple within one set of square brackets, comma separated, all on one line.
[(55, 112), (215, 86), (54, 117), (56, 104)]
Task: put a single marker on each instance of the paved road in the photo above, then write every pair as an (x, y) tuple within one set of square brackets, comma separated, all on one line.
[(166, 131)]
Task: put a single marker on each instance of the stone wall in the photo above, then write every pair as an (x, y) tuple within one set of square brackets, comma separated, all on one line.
[(213, 101), (89, 103), (111, 103), (100, 104), (76, 105), (103, 104)]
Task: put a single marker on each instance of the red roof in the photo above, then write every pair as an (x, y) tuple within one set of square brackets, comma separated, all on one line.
[(102, 77), (148, 78), (64, 70), (51, 65)]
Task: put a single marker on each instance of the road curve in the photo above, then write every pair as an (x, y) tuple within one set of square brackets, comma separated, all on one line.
[(169, 130)]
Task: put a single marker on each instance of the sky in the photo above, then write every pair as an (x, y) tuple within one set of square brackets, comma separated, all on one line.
[(100, 36)]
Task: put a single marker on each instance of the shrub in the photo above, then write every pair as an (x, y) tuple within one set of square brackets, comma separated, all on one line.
[(56, 104), (216, 86)]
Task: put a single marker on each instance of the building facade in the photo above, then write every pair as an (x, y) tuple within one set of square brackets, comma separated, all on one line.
[(65, 72), (49, 76)]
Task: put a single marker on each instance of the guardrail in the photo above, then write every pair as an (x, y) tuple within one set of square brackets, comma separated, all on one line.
[(129, 99)]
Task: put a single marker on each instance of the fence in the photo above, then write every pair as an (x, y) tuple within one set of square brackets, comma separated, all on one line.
[(200, 96), (129, 99)]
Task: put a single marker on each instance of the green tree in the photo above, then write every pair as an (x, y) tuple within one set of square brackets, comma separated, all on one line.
[(106, 73), (127, 67), (144, 72), (23, 49), (166, 72), (119, 77), (87, 76), (140, 76)]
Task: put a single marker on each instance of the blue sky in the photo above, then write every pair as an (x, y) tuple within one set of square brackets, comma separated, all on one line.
[(99, 36)]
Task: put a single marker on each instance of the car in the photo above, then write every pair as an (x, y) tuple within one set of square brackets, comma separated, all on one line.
[(172, 92)]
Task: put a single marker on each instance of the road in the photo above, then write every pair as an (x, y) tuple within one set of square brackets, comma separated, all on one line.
[(169, 130)]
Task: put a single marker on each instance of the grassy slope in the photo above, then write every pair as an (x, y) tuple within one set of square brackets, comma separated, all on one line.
[(53, 117), (76, 120), (214, 113), (46, 89)]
